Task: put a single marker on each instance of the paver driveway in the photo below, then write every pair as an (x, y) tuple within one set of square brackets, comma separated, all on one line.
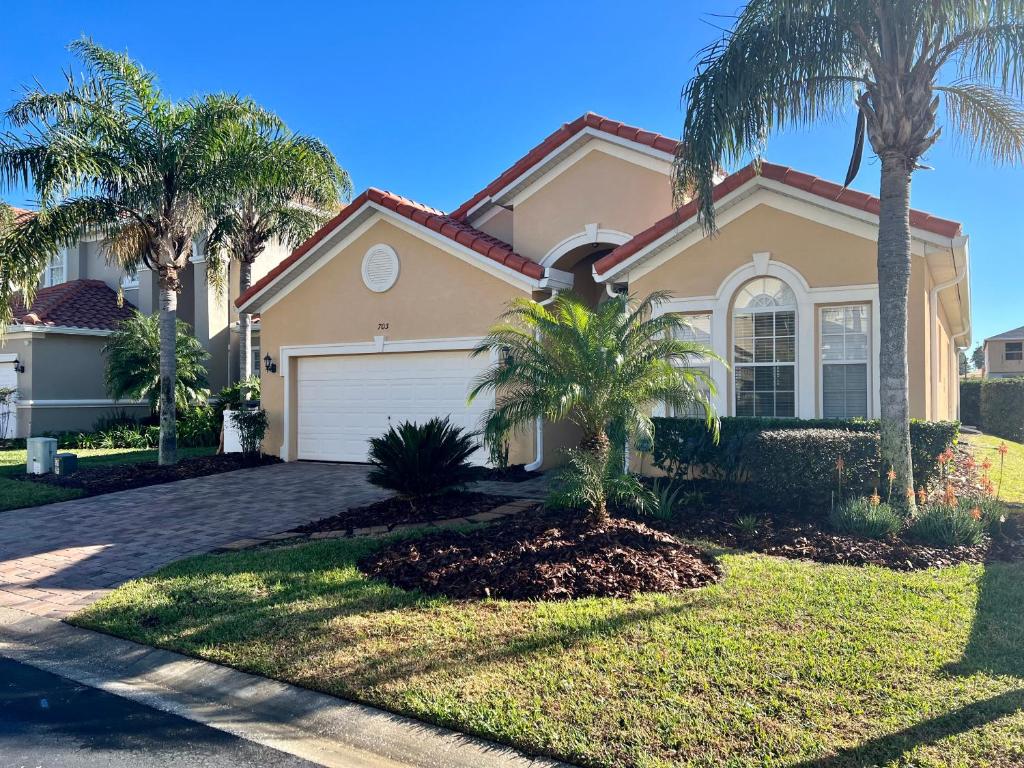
[(57, 558)]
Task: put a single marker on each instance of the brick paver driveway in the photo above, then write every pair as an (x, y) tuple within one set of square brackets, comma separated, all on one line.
[(57, 558)]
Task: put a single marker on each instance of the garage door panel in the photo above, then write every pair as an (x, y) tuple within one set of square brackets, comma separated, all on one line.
[(343, 401)]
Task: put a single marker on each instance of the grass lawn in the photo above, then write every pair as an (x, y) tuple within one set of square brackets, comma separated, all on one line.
[(784, 663), (1012, 490), (15, 494)]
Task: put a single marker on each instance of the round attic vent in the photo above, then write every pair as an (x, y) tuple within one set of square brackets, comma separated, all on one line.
[(380, 268)]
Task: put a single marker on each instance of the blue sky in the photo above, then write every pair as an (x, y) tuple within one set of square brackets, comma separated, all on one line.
[(432, 100)]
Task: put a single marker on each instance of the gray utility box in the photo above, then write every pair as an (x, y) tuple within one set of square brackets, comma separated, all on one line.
[(41, 453), (65, 464)]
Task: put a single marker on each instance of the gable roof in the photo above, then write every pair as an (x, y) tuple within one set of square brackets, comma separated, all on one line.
[(439, 222), (1017, 334), (20, 214), (780, 173), (75, 304), (557, 139)]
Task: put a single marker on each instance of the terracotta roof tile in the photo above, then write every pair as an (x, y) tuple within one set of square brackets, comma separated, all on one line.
[(75, 304), (555, 140), (438, 221), (784, 175)]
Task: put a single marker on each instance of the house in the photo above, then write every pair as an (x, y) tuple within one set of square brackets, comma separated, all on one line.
[(52, 351), (1004, 355), (370, 321)]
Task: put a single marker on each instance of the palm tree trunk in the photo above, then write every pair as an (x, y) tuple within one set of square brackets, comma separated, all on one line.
[(244, 323), (893, 287), (168, 370), (598, 446)]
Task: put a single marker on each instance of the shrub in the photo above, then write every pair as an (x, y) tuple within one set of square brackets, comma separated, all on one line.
[(947, 525), (418, 460), (583, 481), (992, 512), (867, 518), (970, 401), (198, 426), (1002, 408), (252, 428), (233, 395)]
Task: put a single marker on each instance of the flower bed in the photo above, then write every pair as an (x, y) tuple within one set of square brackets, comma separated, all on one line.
[(398, 511)]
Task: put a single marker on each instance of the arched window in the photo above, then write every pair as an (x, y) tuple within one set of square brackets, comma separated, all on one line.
[(764, 348)]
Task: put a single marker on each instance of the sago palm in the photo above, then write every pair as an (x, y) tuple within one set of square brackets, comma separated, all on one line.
[(133, 362), (793, 62), (596, 368), (294, 184), (111, 154)]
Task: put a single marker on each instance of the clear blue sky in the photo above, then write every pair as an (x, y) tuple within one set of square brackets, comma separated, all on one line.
[(432, 100)]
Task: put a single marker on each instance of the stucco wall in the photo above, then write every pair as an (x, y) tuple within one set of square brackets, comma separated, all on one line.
[(997, 362), (437, 296), (601, 189)]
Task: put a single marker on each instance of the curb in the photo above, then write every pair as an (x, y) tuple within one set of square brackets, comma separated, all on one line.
[(320, 728)]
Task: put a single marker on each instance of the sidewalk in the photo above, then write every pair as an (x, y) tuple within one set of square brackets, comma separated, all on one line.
[(316, 727)]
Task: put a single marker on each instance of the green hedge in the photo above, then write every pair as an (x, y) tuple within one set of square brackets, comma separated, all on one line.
[(1002, 408), (682, 444), (970, 401)]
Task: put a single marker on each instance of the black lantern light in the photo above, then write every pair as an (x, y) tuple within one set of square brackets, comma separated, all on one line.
[(269, 364), (18, 366)]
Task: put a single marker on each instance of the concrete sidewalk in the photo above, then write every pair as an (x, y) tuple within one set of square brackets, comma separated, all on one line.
[(314, 726)]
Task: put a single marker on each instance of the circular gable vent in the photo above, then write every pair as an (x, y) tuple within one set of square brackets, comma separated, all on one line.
[(380, 268)]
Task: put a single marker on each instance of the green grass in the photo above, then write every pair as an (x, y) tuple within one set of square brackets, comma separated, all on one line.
[(15, 494), (1012, 490), (782, 664)]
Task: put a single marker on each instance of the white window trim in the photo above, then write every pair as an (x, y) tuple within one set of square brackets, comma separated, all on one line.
[(867, 360), (47, 282)]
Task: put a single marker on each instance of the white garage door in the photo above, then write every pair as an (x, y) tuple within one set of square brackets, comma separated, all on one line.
[(343, 401)]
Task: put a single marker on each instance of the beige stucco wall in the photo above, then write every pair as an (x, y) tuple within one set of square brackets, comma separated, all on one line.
[(499, 225), (437, 296), (614, 193), (997, 362)]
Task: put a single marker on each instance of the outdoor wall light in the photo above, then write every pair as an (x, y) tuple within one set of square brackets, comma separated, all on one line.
[(269, 364), (18, 366)]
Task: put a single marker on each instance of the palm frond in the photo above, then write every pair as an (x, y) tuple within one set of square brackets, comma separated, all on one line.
[(986, 120)]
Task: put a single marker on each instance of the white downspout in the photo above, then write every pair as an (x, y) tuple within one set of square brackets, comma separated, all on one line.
[(956, 348), (538, 440), (934, 330)]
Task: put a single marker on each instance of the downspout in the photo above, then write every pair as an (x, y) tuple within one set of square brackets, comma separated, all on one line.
[(956, 349), (934, 329), (538, 440)]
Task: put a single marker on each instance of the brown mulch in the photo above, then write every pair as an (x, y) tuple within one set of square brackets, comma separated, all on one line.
[(109, 478), (514, 473), (544, 558), (397, 511)]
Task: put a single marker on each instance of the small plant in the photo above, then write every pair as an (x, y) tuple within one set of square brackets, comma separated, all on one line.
[(991, 512), (667, 495), (747, 525), (870, 518), (948, 525), (418, 460), (582, 482), (251, 424)]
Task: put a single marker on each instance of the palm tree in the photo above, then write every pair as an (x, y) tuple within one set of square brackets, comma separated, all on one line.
[(133, 362), (294, 185), (600, 369), (792, 62), (111, 154)]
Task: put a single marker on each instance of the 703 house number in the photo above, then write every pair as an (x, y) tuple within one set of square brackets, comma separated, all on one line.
[(382, 326)]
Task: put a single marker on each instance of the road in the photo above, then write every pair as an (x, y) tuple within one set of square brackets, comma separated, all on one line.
[(48, 721)]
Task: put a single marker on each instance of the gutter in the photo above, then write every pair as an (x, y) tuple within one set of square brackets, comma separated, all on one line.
[(934, 311)]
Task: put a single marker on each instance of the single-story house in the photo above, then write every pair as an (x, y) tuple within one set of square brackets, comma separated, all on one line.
[(1004, 355), (370, 321)]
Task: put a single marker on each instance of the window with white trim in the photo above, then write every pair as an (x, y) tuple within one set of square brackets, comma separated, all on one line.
[(698, 331), (844, 362), (56, 270), (1014, 350), (764, 349)]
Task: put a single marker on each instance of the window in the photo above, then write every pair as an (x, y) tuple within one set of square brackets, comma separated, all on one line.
[(844, 362), (56, 271), (1014, 350), (764, 349), (257, 363), (698, 331)]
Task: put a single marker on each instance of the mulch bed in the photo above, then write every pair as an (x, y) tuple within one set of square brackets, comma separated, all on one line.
[(122, 477), (515, 473), (549, 557), (396, 511)]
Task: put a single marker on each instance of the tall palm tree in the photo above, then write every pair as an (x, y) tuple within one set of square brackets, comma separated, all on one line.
[(596, 368), (792, 62), (294, 185), (112, 154)]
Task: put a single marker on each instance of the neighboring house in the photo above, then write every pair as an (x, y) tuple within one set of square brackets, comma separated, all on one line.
[(370, 321), (1004, 355), (59, 338)]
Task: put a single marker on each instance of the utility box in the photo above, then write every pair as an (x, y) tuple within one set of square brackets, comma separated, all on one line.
[(41, 453), (65, 464)]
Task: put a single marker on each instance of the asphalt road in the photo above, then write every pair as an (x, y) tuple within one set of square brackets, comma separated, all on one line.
[(47, 721)]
